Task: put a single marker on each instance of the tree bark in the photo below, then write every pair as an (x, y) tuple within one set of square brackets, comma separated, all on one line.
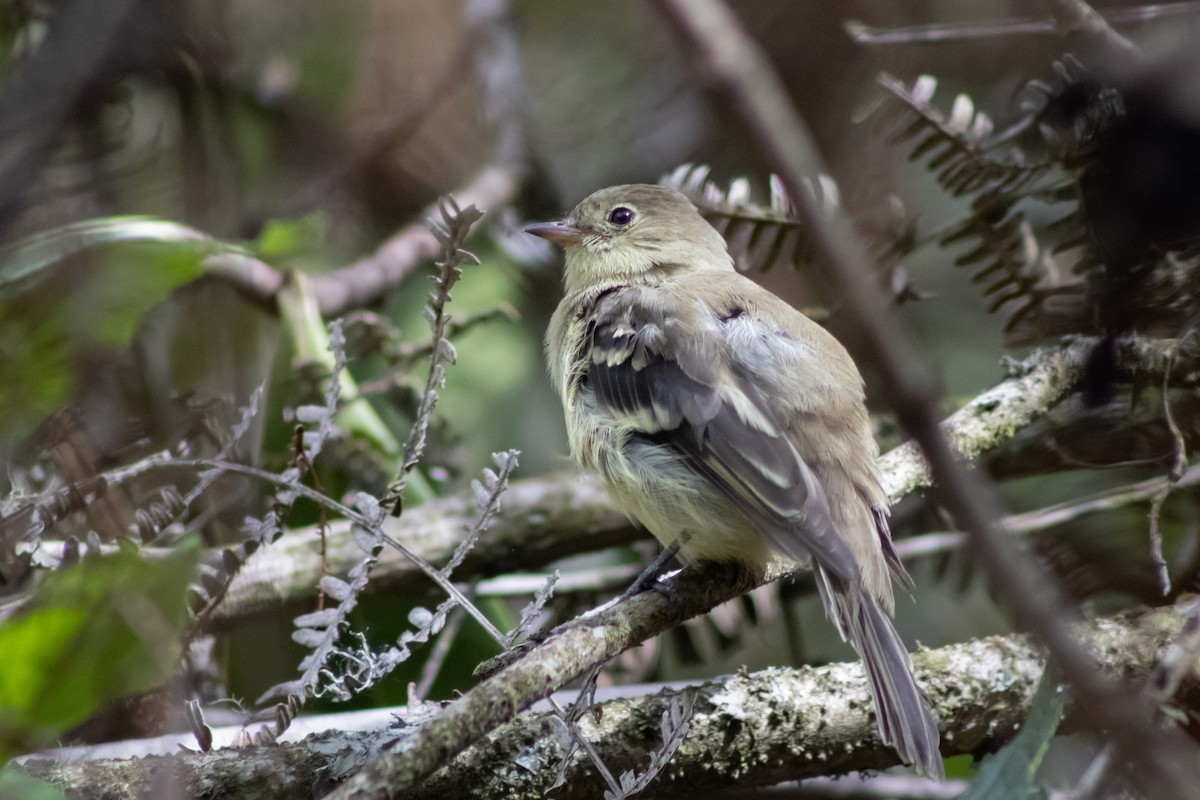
[(750, 729)]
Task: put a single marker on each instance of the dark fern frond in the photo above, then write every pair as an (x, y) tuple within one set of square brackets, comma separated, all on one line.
[(960, 147), (1008, 259), (759, 236), (1015, 263)]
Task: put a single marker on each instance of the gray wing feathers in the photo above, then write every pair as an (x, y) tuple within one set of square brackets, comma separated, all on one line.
[(681, 383), (684, 388)]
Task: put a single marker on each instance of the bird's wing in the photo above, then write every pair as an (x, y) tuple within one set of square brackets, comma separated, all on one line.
[(667, 372)]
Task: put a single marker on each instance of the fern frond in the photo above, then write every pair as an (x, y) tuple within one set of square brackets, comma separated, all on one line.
[(957, 147), (1015, 267), (759, 236)]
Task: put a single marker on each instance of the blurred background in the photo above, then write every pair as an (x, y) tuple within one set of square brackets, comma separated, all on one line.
[(308, 133)]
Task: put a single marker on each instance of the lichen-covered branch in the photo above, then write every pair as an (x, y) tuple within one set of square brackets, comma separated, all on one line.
[(751, 729), (1042, 381)]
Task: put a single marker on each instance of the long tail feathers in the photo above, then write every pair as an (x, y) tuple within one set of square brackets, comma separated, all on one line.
[(903, 714)]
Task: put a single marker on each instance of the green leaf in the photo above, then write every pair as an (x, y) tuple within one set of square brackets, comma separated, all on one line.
[(288, 237), (57, 313), (1009, 774), (92, 633), (15, 785), (25, 262)]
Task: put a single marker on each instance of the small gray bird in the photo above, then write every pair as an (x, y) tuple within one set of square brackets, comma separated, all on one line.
[(712, 410)]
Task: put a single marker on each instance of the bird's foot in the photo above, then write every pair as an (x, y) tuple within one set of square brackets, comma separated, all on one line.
[(649, 579)]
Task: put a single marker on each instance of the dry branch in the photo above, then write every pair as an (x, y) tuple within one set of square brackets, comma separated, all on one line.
[(749, 729)]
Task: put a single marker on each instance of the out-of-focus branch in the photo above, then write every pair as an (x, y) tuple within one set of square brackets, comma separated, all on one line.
[(489, 38), (37, 103), (1075, 18), (864, 34), (368, 279), (738, 68), (748, 730)]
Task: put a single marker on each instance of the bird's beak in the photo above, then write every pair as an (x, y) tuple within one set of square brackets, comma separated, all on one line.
[(559, 231)]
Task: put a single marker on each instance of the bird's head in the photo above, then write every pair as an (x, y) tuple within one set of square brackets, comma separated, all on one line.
[(634, 233)]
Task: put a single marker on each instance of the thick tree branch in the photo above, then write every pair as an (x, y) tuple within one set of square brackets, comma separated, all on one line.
[(1041, 382), (748, 730)]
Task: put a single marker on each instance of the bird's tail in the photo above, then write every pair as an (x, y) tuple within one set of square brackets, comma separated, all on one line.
[(903, 714)]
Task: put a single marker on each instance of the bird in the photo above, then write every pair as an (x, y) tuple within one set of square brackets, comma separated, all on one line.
[(728, 424)]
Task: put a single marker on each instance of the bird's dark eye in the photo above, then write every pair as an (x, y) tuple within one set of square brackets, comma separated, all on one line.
[(620, 216)]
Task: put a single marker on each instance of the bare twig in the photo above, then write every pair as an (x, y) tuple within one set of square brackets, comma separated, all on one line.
[(1178, 464), (441, 648), (358, 518), (1077, 18), (368, 279), (1052, 516), (489, 38), (736, 65), (993, 29)]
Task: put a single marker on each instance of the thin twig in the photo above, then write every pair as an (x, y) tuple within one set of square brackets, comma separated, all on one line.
[(346, 512), (437, 654), (927, 544), (1178, 464), (1077, 18), (949, 32), (582, 741)]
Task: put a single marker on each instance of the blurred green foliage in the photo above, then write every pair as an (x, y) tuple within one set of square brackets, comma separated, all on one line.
[(18, 786), (84, 287), (105, 628)]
